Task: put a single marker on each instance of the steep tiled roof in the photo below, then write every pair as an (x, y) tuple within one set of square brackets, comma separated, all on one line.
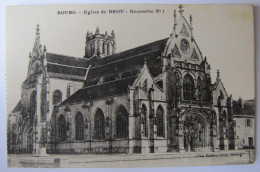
[(135, 51), (66, 60), (130, 59), (124, 61), (68, 67), (69, 70), (113, 88)]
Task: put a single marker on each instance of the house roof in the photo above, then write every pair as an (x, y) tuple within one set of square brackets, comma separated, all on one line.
[(247, 109), (117, 87)]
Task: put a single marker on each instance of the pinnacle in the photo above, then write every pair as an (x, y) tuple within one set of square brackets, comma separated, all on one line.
[(97, 31), (38, 29)]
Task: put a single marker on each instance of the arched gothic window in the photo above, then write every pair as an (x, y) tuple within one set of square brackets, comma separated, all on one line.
[(188, 87), (33, 105), (177, 85), (91, 49), (199, 89), (121, 123), (224, 118), (144, 86), (160, 121), (108, 49), (57, 97), (144, 120), (30, 139), (99, 125), (104, 48), (221, 95), (62, 128), (79, 123)]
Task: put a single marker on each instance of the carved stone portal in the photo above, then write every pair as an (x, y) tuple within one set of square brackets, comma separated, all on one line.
[(195, 133)]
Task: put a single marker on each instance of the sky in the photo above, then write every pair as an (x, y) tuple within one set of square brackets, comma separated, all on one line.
[(223, 33)]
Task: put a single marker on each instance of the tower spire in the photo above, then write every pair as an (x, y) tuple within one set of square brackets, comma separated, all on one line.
[(97, 31), (37, 45), (113, 33), (38, 29), (175, 22), (174, 25), (99, 44), (181, 10)]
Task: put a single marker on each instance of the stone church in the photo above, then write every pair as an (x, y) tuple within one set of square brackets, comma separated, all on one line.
[(157, 97)]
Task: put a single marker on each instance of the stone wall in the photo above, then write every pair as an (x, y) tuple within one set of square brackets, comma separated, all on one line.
[(244, 132)]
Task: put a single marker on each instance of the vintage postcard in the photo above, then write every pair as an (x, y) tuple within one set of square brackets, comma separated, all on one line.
[(130, 85)]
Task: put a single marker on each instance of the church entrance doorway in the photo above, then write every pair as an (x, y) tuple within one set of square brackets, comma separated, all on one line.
[(194, 133)]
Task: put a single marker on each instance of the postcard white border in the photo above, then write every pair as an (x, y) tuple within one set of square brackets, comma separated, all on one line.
[(237, 168)]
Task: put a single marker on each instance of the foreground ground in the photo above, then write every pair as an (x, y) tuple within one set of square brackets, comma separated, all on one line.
[(133, 160)]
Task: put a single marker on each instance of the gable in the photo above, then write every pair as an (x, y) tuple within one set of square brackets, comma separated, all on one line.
[(146, 81), (221, 87), (219, 91)]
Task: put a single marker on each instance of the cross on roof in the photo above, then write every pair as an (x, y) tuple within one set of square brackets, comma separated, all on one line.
[(38, 29), (181, 10)]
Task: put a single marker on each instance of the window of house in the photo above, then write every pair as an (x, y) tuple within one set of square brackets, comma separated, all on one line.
[(57, 97), (188, 87), (62, 128), (121, 123), (160, 121), (248, 123), (250, 141), (99, 125), (79, 125)]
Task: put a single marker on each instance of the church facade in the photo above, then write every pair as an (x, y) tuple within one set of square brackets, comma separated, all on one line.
[(157, 97)]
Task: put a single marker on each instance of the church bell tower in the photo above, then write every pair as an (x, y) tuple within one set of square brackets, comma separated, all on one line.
[(100, 45)]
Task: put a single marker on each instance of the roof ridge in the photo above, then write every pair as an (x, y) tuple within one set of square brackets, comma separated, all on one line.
[(107, 82), (67, 56), (59, 64), (124, 59)]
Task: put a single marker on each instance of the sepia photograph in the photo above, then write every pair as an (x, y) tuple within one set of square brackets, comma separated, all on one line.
[(134, 85)]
